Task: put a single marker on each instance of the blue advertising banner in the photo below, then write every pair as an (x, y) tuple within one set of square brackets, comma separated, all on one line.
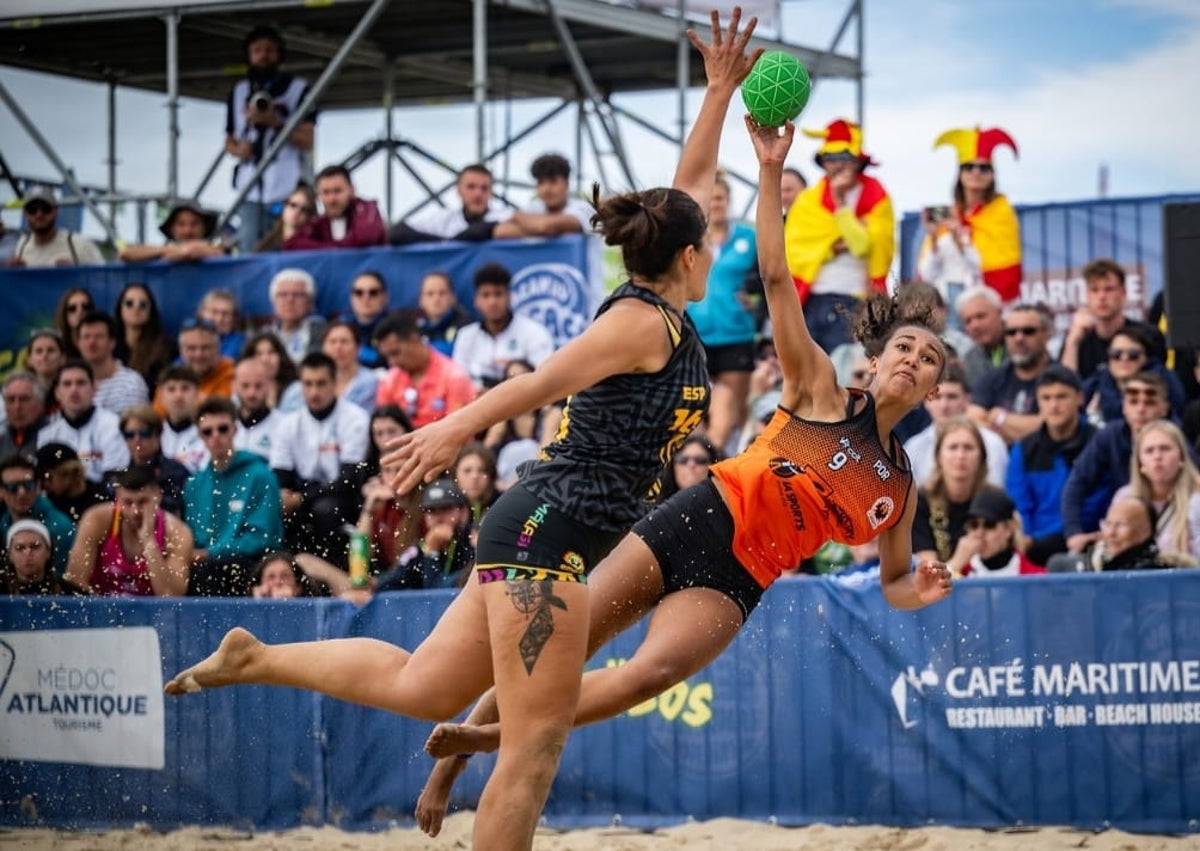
[(1061, 699)]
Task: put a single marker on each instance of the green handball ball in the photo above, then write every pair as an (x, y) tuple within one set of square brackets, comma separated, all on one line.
[(776, 89)]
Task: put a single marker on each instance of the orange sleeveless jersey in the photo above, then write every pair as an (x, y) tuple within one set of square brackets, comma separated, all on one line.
[(802, 483)]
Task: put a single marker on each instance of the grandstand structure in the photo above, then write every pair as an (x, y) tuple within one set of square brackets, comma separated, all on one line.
[(389, 54)]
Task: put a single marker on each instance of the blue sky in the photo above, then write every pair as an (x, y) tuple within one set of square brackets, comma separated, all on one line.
[(1076, 82)]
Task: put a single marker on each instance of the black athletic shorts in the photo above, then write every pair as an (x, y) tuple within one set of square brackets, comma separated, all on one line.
[(691, 535), (736, 357), (522, 537)]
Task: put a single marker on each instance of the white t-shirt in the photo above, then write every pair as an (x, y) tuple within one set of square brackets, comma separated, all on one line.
[(484, 356), (98, 441), (72, 248), (448, 223), (259, 437), (185, 446), (920, 449), (315, 450)]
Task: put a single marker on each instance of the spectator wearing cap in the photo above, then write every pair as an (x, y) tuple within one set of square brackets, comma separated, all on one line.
[(24, 404), (46, 244), (62, 478), (444, 556), (189, 229), (1039, 465), (425, 384), (200, 352), (24, 501), (1005, 399), (994, 530), (346, 221), (484, 348), (94, 433), (142, 429), (293, 293), (117, 386), (27, 570)]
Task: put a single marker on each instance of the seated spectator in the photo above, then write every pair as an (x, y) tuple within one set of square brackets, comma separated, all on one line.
[(555, 211), (44, 357), (256, 420), (1096, 322), (538, 426), (142, 427), (422, 382), (27, 570), (980, 312), (689, 466), (220, 307), (24, 401), (354, 382), (293, 293), (485, 347), (266, 348), (200, 351), (441, 314), (473, 221), (347, 221), (180, 394), (232, 505), (1161, 471), (368, 306), (477, 478), (279, 577), (1040, 464), (993, 531), (1128, 541), (316, 456), (46, 244), (94, 433), (74, 304), (959, 474), (444, 556), (952, 400), (392, 523), (1005, 399), (117, 386), (142, 344), (64, 482), (387, 423), (131, 547), (1129, 353), (189, 229), (23, 500), (298, 209)]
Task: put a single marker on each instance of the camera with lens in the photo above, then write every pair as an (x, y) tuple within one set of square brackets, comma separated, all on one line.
[(261, 102)]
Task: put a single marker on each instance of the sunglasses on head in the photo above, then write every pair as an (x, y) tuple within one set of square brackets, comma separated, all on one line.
[(209, 431), (27, 485), (1023, 330), (984, 168), (1126, 354), (142, 433)]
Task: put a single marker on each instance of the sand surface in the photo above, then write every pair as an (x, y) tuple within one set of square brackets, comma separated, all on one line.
[(716, 835)]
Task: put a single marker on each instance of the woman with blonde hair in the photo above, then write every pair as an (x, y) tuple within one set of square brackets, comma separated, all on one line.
[(1161, 471), (943, 505)]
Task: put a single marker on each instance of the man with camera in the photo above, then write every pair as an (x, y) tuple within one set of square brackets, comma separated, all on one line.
[(258, 108)]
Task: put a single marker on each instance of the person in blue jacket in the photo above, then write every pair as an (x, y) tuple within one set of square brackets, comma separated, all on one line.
[(232, 505), (1130, 351)]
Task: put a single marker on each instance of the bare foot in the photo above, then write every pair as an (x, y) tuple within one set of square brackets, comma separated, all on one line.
[(224, 667), (453, 739), (431, 804)]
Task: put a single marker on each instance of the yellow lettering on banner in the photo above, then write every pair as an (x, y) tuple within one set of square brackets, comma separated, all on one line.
[(699, 706), (671, 701)]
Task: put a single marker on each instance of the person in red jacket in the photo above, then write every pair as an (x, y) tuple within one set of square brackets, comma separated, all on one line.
[(347, 221)]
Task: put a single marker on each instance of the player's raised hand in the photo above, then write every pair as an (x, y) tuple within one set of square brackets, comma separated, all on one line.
[(933, 582), (725, 61), (771, 144)]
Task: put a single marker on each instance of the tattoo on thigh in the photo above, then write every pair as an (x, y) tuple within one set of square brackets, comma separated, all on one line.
[(534, 600)]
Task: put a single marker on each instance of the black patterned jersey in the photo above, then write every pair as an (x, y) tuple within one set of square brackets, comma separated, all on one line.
[(617, 435)]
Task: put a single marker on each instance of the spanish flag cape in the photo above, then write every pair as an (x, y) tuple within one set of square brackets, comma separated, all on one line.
[(997, 237), (810, 232)]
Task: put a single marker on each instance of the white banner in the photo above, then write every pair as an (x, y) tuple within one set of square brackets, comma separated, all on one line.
[(87, 696)]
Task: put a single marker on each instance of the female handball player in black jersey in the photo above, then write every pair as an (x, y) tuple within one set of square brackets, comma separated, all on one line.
[(826, 467), (637, 385)]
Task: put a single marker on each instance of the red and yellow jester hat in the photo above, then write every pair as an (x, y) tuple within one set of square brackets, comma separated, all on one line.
[(841, 136), (975, 144)]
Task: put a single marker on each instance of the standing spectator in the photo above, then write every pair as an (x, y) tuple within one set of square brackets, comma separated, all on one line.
[(142, 344), (257, 110), (353, 381), (267, 349), (441, 315), (444, 555), (74, 304), (979, 313), (297, 211), (180, 394), (94, 433), (368, 306), (1129, 352), (46, 244), (117, 386), (979, 242), (24, 402), (1041, 462), (220, 307), (200, 351), (959, 474), (840, 235), (316, 455), (64, 482), (952, 400), (23, 500), (1102, 315), (28, 569), (1161, 471), (425, 384), (44, 357), (347, 221), (232, 505), (1005, 400), (473, 221), (483, 348), (725, 318), (293, 293), (130, 547), (141, 426), (257, 421), (994, 526), (791, 184), (189, 229)]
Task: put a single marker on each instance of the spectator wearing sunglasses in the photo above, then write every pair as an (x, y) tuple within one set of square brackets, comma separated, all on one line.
[(1096, 322), (1130, 351), (369, 303), (994, 528), (142, 429), (21, 492), (46, 244), (232, 506), (74, 304), (1005, 400)]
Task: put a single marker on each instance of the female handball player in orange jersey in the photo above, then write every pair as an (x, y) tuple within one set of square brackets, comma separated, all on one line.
[(827, 467)]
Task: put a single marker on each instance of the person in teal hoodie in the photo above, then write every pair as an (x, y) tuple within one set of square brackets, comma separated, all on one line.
[(232, 505), (21, 492)]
